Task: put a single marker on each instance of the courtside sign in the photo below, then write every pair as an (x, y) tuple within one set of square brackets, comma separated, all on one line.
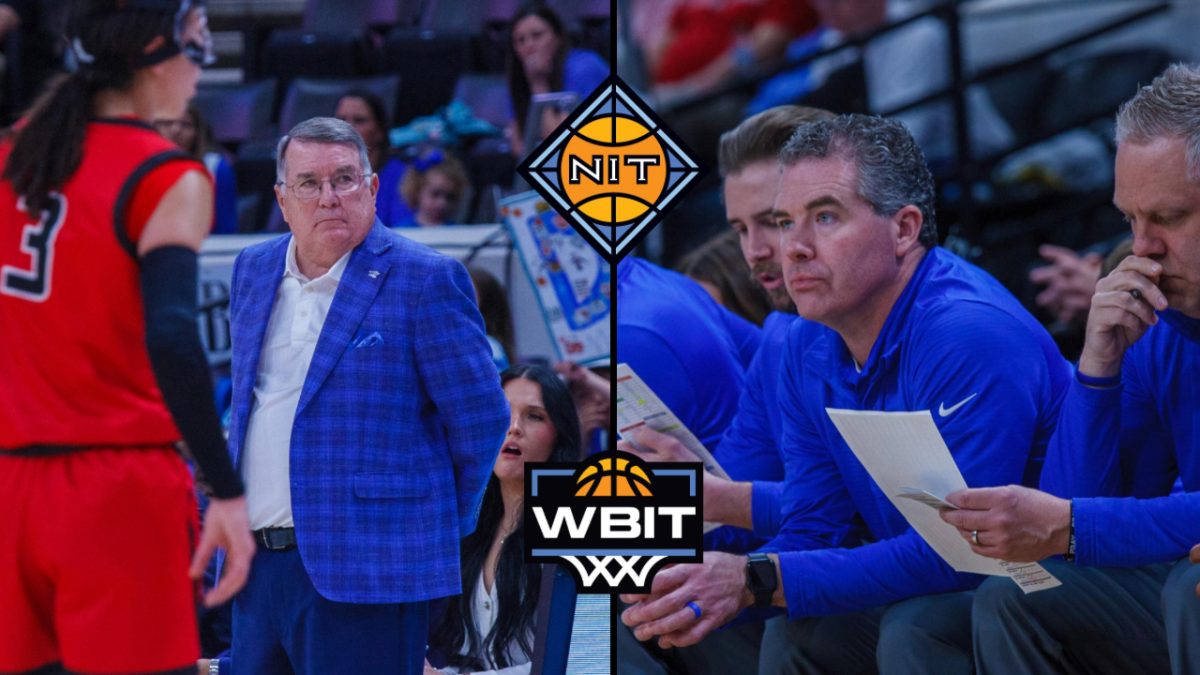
[(612, 169)]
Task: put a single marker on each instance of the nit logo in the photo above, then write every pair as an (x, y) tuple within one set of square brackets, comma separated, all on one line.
[(615, 519), (612, 169)]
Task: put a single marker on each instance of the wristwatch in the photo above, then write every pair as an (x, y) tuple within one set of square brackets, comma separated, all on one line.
[(214, 667), (761, 579)]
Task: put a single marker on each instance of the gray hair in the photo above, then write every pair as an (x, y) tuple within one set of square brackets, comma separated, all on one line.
[(1168, 107), (891, 169), (321, 130)]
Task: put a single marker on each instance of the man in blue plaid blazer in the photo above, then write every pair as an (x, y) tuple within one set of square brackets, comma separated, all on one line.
[(367, 416)]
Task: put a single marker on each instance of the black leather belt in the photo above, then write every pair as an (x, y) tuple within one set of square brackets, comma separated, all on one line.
[(276, 538)]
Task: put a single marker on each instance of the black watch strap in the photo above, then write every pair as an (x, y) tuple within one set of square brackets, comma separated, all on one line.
[(761, 579)]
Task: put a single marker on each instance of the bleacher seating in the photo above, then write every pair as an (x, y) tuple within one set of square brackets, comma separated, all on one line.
[(311, 97), (428, 64), (238, 113), (290, 53), (489, 162)]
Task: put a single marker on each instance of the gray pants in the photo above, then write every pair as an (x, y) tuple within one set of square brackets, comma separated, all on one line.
[(1101, 620), (930, 634), (732, 650)]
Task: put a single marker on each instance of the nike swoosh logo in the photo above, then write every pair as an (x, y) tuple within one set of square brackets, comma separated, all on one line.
[(943, 411)]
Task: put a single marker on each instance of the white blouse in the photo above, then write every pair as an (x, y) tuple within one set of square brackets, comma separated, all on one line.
[(484, 607)]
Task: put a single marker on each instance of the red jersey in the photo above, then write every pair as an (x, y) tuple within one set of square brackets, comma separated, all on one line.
[(704, 31), (73, 364)]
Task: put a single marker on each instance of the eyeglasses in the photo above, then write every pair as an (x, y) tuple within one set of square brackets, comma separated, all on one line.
[(342, 184)]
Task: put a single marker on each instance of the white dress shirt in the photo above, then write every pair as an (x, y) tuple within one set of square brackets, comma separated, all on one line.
[(301, 305)]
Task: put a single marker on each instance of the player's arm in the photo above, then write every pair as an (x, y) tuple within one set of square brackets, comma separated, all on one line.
[(167, 249), (169, 270)]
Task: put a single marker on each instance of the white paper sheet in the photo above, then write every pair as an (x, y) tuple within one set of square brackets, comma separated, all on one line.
[(906, 456), (638, 406)]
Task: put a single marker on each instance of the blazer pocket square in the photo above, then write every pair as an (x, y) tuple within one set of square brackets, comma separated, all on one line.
[(369, 341)]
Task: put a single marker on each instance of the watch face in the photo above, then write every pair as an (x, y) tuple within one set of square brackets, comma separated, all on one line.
[(761, 575)]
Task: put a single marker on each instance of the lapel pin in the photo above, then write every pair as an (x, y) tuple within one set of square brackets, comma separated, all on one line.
[(374, 274)]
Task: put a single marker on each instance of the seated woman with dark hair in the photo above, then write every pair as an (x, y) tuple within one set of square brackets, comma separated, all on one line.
[(489, 628), (718, 266), (192, 133), (365, 111), (541, 60)]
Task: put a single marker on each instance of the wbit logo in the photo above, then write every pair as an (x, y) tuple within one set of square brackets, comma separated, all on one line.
[(615, 519), (612, 169)]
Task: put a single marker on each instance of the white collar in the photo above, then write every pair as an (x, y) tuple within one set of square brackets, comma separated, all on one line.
[(291, 268)]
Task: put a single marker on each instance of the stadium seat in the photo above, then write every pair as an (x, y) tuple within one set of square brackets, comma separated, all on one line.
[(595, 33), (428, 64), (450, 16), (291, 53), (486, 95), (1017, 96), (355, 15), (1093, 87), (309, 97), (255, 184), (491, 47), (237, 113), (576, 11), (489, 161)]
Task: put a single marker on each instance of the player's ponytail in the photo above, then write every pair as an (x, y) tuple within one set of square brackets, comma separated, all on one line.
[(49, 140), (49, 146)]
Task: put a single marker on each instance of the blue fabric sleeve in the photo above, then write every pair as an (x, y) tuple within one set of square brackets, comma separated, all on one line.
[(819, 575), (765, 502), (659, 366), (1113, 454), (732, 539), (584, 71), (816, 506), (1128, 532), (749, 450), (1110, 442), (996, 392), (226, 221), (746, 336), (1089, 416)]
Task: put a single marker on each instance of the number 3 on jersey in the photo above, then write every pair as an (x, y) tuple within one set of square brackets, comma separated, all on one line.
[(37, 241)]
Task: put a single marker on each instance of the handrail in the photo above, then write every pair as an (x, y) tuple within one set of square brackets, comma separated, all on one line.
[(754, 80), (967, 167)]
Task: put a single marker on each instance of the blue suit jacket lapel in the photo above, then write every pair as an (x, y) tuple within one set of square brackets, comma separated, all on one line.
[(258, 299), (356, 291)]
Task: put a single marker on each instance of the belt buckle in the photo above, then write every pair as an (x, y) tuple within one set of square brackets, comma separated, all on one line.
[(276, 539)]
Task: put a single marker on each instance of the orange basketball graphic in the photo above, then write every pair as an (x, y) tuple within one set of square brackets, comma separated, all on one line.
[(613, 169), (606, 479)]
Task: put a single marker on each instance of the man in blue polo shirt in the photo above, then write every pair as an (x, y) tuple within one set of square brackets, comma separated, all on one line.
[(749, 448), (749, 451), (894, 323), (1130, 428), (691, 351)]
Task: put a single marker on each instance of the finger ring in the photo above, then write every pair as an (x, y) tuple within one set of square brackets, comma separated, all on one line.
[(695, 609), (1136, 293), (975, 537)]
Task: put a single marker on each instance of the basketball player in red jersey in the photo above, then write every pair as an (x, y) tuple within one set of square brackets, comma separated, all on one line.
[(101, 368)]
